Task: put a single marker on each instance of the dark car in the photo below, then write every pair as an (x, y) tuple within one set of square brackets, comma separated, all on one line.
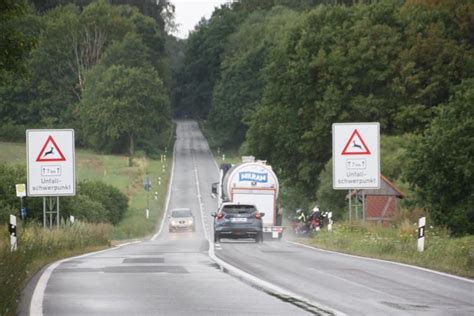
[(181, 219), (238, 221)]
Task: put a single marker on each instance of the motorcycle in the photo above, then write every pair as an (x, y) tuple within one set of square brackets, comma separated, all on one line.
[(315, 224), (299, 228)]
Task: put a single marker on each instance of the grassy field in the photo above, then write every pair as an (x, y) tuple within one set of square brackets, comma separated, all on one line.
[(38, 247), (114, 170)]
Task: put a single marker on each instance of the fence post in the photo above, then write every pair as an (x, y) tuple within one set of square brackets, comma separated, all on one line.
[(421, 234), (12, 231)]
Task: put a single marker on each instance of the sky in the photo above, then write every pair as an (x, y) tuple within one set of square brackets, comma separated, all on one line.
[(189, 12)]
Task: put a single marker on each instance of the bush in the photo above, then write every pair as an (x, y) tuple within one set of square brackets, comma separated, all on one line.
[(83, 208), (113, 201)]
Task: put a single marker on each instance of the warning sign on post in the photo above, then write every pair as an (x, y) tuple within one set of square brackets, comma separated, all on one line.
[(51, 162), (356, 155), (50, 151)]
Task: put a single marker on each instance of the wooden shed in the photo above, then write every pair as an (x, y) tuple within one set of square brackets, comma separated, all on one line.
[(375, 204)]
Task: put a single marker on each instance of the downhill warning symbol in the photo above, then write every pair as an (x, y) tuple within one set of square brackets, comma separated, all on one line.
[(50, 151), (356, 145)]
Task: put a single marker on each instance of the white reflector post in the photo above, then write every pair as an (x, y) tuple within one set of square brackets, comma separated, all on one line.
[(421, 234), (12, 231)]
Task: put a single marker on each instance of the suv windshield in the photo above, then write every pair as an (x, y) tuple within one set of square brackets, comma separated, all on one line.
[(181, 213), (239, 209)]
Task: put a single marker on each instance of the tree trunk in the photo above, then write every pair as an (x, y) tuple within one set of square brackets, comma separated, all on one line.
[(131, 150)]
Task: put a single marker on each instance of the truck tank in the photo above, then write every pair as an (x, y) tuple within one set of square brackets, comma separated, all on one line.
[(252, 175)]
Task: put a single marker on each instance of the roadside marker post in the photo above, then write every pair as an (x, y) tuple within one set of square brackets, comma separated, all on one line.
[(12, 232), (421, 234), (330, 221), (147, 187), (50, 156)]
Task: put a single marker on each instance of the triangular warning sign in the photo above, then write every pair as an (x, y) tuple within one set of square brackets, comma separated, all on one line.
[(356, 145), (50, 151)]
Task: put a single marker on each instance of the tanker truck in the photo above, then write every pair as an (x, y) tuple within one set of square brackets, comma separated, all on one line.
[(251, 182)]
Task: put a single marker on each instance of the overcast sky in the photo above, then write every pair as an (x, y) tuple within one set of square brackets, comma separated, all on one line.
[(189, 12)]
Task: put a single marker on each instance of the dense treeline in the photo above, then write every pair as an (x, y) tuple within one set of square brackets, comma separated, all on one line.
[(266, 76), (100, 67), (271, 77), (76, 46)]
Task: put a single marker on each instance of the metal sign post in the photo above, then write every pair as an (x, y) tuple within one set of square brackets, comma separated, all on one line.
[(21, 193), (356, 156), (356, 159), (51, 169)]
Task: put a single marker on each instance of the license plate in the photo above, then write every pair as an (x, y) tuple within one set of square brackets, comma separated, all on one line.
[(238, 219)]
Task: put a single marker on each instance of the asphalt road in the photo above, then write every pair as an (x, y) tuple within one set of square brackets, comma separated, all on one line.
[(173, 274)]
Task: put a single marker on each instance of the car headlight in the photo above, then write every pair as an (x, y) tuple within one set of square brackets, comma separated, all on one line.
[(191, 221), (174, 223)]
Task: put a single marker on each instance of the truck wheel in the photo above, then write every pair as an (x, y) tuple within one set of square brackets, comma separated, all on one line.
[(259, 238)]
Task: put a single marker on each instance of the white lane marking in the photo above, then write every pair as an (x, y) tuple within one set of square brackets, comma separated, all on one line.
[(385, 261), (168, 195), (199, 197), (36, 304)]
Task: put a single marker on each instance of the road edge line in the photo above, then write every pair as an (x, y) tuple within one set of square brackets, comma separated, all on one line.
[(268, 287), (168, 195)]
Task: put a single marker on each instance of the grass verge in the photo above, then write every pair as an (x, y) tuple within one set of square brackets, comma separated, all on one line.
[(442, 252), (38, 247)]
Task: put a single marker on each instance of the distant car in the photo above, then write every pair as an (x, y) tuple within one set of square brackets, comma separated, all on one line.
[(238, 221), (181, 219)]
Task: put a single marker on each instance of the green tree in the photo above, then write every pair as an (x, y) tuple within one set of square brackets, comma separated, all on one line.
[(441, 168), (437, 54), (241, 84), (203, 55), (129, 52), (15, 43), (122, 105)]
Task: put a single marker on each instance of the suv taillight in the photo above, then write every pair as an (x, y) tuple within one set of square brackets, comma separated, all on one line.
[(220, 216), (258, 216)]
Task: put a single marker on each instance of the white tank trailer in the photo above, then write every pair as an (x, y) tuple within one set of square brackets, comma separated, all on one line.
[(252, 182)]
